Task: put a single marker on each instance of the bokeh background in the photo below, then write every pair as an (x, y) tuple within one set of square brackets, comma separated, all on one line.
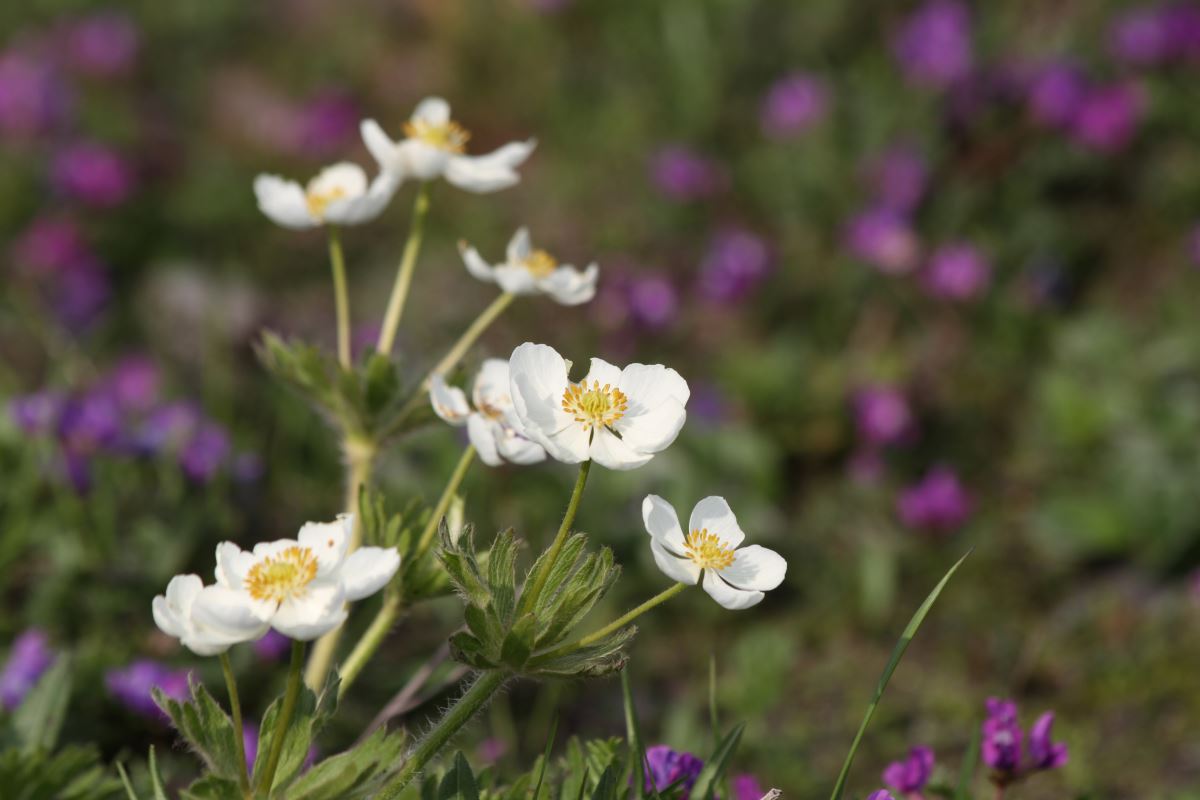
[(930, 269)]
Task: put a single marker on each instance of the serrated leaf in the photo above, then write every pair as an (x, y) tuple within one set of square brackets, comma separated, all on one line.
[(518, 643), (210, 787), (357, 773), (459, 782), (206, 728), (311, 713), (39, 719), (502, 575)]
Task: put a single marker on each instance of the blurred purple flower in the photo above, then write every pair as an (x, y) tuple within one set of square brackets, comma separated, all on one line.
[(491, 749), (1182, 20), (104, 44), (1141, 37), (1046, 753), (327, 123), (957, 271), (683, 174), (746, 787), (1001, 744), (653, 301), (1055, 93), (911, 774), (90, 421), (708, 404), (897, 179), (882, 415), (205, 453), (933, 44), (131, 685), (735, 263), (28, 658), (134, 384), (665, 766), (793, 104), (33, 97), (93, 173), (80, 293), (938, 502), (250, 744), (1108, 117), (168, 427), (883, 239), (37, 413), (272, 646), (50, 245), (880, 794)]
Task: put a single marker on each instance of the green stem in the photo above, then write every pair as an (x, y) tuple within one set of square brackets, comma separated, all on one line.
[(235, 708), (443, 503), (529, 599), (459, 714), (385, 618), (262, 785), (341, 296), (470, 336), (404, 275), (621, 621)]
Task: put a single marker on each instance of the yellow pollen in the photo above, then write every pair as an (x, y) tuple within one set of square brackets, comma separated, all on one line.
[(449, 136), (540, 263), (283, 575), (707, 550), (318, 202), (595, 407)]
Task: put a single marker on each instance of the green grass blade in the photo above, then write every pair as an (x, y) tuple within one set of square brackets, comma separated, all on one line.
[(966, 773), (714, 767), (897, 653), (129, 792), (537, 789), (633, 733), (712, 699), (155, 779)]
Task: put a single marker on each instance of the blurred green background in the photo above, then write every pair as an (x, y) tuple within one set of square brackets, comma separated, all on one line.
[(930, 271)]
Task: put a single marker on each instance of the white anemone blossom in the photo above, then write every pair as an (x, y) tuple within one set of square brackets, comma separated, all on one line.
[(492, 426), (619, 418), (299, 587), (529, 271), (173, 616), (434, 146), (735, 577), (338, 195)]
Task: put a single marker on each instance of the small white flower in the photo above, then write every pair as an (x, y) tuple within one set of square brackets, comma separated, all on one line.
[(299, 587), (618, 418), (339, 195), (434, 147), (492, 426), (529, 271), (734, 577), (173, 616)]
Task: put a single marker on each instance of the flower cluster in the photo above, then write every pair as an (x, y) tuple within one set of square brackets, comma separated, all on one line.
[(1005, 750)]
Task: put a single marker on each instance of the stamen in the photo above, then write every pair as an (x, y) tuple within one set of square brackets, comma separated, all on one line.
[(318, 202), (283, 575), (449, 136), (597, 407), (540, 263), (707, 550)]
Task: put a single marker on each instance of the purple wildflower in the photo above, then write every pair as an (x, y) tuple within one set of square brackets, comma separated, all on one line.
[(665, 766), (327, 123), (131, 685), (94, 173), (134, 384), (933, 45), (272, 646), (938, 502), (492, 749), (49, 245), (883, 239), (897, 179), (683, 174), (104, 44), (90, 421), (882, 415), (1142, 37), (80, 293), (736, 261), (250, 744), (37, 413), (29, 657), (746, 787), (33, 97), (956, 271), (1044, 752), (793, 105), (1055, 93), (880, 794), (205, 453), (1108, 117), (653, 300), (911, 774), (1001, 744), (168, 427)]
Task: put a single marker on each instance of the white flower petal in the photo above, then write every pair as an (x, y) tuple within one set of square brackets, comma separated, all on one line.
[(328, 541), (715, 515), (568, 445), (482, 433), (381, 147), (683, 570), (343, 178), (491, 387), (648, 385), (232, 565), (726, 595), (515, 280), (172, 611), (538, 378), (755, 568), (432, 111), (421, 160), (662, 523), (365, 207), (478, 175), (231, 613), (569, 286), (367, 570), (476, 265), (603, 373), (449, 402), (319, 610), (283, 201), (609, 451), (518, 449), (519, 247), (652, 430)]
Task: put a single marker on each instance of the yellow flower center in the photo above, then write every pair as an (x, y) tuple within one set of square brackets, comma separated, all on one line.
[(283, 575), (707, 550), (540, 263), (595, 407), (449, 136), (318, 202)]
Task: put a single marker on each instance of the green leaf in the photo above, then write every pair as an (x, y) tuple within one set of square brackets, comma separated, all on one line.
[(518, 643), (311, 714), (210, 787), (606, 788), (966, 771), (633, 735), (155, 779), (541, 770), (459, 783), (897, 653), (714, 766), (502, 575), (206, 728), (359, 772), (72, 773), (39, 718), (129, 792)]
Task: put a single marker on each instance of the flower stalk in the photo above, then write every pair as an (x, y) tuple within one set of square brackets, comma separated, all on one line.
[(620, 622), (262, 785), (404, 275), (530, 598), (470, 336), (443, 503), (341, 296), (235, 708)]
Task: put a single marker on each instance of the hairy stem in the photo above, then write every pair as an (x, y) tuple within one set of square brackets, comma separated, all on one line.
[(262, 784), (235, 708), (404, 274), (621, 621), (459, 714), (341, 296), (529, 599)]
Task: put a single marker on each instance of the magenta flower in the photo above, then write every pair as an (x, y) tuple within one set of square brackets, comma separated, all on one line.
[(327, 123), (1055, 93), (897, 179), (93, 173), (50, 245), (1142, 37), (793, 105), (735, 263), (1108, 117), (134, 384), (37, 413), (33, 97), (28, 659), (882, 415), (746, 787), (205, 453), (880, 794), (272, 646), (1000, 748), (665, 766), (911, 774), (933, 46), (1045, 753), (683, 174), (653, 301), (103, 44), (883, 239), (938, 502), (956, 271), (131, 685)]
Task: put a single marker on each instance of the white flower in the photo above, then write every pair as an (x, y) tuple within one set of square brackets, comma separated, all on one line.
[(338, 195), (298, 586), (492, 426), (618, 418), (173, 615), (734, 577), (529, 271), (433, 147)]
